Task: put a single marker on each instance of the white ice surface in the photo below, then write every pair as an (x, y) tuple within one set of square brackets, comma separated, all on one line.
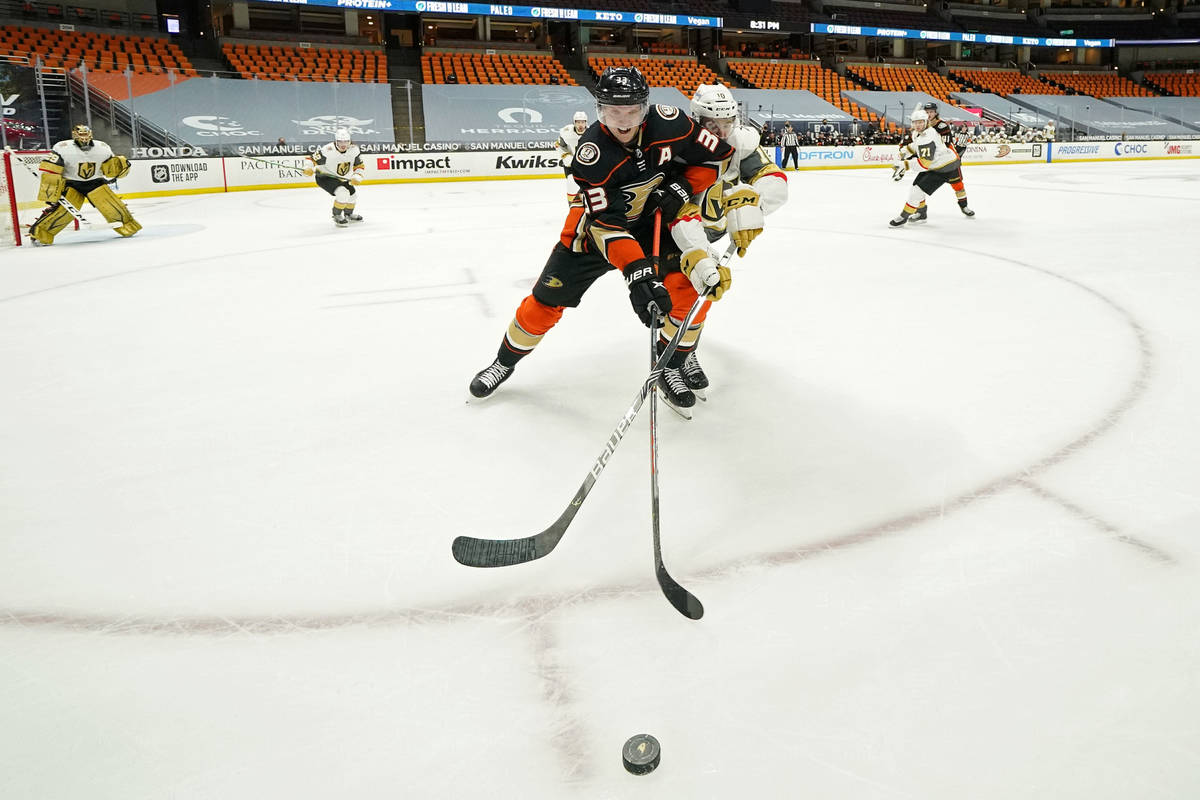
[(941, 505)]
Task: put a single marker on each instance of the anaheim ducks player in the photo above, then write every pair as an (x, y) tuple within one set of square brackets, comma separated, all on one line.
[(752, 187), (339, 169), (940, 162), (79, 169), (638, 158), (568, 140)]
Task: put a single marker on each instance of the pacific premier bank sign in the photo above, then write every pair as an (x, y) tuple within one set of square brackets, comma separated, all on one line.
[(520, 12)]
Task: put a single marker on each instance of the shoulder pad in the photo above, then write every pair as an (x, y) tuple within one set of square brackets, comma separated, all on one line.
[(744, 139), (667, 122), (596, 155)]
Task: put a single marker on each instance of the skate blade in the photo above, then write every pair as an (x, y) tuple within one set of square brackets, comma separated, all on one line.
[(701, 394), (686, 413)]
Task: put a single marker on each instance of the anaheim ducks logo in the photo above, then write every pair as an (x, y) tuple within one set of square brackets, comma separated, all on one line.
[(587, 154), (552, 283), (637, 194), (1003, 151), (667, 112)]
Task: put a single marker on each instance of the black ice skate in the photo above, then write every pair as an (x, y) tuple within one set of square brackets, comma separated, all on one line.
[(350, 215), (693, 375), (900, 220), (339, 218), (485, 382), (920, 215), (967, 210), (675, 392)]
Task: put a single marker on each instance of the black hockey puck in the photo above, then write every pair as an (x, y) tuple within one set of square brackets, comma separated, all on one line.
[(641, 754)]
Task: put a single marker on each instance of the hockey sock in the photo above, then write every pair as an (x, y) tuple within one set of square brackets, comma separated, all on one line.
[(531, 322)]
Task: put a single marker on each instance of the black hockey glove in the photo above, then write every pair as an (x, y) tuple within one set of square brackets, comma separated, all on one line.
[(671, 197), (649, 297)]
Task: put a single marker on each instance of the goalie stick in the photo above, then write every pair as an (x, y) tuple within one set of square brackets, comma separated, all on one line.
[(474, 552), (684, 601), (70, 207)]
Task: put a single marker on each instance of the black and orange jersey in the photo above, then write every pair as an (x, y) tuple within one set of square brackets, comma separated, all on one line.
[(616, 181), (944, 130)]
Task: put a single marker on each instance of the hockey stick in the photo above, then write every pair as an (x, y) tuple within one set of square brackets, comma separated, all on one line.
[(70, 207), (684, 601), (473, 552)]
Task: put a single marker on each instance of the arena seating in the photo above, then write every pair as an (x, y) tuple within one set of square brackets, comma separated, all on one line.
[(276, 62), (98, 51), (895, 78), (469, 67), (1183, 84), (810, 75), (1097, 84), (1004, 81), (684, 74)]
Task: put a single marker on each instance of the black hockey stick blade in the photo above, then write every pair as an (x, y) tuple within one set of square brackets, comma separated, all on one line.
[(684, 601), (472, 552)]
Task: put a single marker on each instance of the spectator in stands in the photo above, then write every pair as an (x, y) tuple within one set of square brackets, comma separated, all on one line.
[(451, 77), (791, 143)]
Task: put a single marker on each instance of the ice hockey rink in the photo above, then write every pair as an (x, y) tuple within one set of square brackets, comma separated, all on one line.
[(941, 505)]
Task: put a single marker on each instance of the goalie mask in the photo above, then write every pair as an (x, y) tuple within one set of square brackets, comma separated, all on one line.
[(622, 102), (341, 139), (715, 109), (82, 136)]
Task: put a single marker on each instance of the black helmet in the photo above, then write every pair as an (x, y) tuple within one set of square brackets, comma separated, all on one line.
[(622, 86), (930, 107)]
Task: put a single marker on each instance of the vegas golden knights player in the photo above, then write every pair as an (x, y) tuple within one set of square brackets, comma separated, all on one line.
[(638, 158), (79, 169), (940, 162), (339, 169)]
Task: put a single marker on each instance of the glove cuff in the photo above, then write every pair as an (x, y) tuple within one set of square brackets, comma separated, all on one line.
[(689, 260)]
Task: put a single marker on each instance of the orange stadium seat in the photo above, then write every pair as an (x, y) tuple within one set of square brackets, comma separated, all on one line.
[(810, 75)]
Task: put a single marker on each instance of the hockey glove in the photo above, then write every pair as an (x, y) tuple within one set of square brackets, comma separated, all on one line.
[(649, 297), (707, 277), (671, 197), (744, 218), (567, 161), (898, 170), (356, 178)]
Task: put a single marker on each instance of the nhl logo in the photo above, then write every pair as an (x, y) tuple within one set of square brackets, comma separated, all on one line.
[(160, 173)]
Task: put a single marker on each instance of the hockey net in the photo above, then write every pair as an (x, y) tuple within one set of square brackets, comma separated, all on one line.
[(19, 205)]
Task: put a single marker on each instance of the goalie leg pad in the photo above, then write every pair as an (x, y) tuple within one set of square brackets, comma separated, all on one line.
[(107, 203), (50, 224)]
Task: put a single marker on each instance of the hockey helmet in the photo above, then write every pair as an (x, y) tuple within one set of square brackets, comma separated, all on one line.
[(918, 115), (930, 109), (341, 139), (580, 121), (580, 116), (713, 107), (622, 86), (82, 136), (622, 101)]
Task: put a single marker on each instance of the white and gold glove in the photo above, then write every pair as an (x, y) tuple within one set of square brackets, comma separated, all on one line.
[(356, 178), (708, 278), (743, 216), (898, 170)]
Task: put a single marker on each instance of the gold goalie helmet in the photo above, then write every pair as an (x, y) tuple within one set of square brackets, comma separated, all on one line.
[(82, 135)]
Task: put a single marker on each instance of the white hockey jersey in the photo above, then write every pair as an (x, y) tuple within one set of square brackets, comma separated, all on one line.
[(328, 160), (751, 165), (79, 164), (930, 150), (567, 141)]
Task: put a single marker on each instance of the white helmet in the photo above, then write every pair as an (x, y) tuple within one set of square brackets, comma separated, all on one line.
[(713, 102), (918, 115), (580, 116), (341, 135)]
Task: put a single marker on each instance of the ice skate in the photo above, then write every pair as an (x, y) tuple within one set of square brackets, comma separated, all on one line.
[(693, 375), (920, 215), (486, 381), (675, 392), (339, 219), (351, 216), (967, 211), (898, 221)]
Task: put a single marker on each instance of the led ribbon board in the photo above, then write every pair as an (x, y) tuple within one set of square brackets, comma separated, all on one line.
[(957, 36), (523, 12)]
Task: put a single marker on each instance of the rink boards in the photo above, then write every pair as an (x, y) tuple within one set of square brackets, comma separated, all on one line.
[(161, 177)]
